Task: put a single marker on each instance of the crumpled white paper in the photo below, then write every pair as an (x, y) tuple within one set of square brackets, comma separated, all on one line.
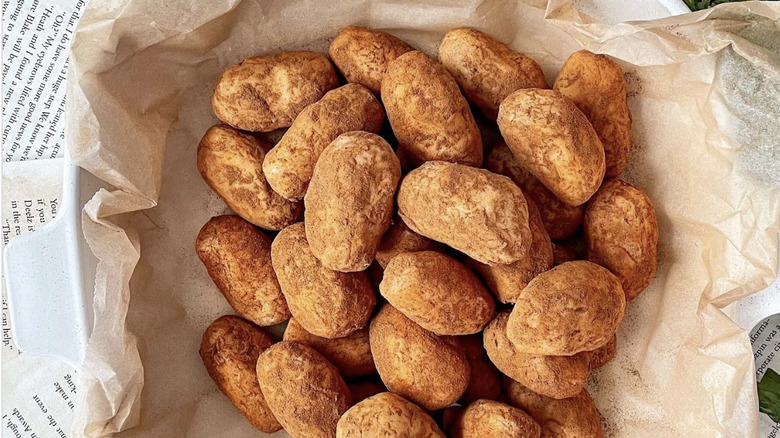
[(704, 91)]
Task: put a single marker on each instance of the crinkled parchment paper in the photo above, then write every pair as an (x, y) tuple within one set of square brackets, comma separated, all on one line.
[(704, 90)]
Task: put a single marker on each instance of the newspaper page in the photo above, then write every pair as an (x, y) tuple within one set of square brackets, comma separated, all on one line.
[(38, 392)]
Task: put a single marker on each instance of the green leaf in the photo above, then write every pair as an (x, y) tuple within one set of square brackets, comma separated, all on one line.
[(769, 395), (698, 5), (717, 2)]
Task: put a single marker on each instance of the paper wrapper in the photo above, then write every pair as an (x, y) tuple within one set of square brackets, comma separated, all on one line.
[(704, 91)]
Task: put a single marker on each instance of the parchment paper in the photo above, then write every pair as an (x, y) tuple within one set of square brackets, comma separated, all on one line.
[(704, 90)]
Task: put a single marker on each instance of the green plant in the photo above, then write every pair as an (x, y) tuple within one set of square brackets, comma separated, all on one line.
[(697, 5), (769, 395)]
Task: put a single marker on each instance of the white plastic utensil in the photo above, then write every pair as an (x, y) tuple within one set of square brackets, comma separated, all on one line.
[(50, 277)]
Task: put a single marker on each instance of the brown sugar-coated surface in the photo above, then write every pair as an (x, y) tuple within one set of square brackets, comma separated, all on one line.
[(429, 116), (349, 204), (449, 418), (290, 164), (560, 220), (554, 141), (437, 292), (429, 370), (485, 381), (604, 354), (237, 256), (229, 349), (365, 387), (267, 92), (477, 212), (621, 231), (563, 254), (362, 55), (387, 415), (507, 281), (597, 86), (231, 164), (574, 417), (399, 239), (574, 307), (304, 391), (326, 303), (553, 376), (487, 70), (350, 354), (491, 419)]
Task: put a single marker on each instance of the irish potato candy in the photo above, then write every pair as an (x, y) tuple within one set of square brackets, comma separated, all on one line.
[(597, 86), (229, 349), (350, 354), (559, 219), (325, 303), (290, 164), (553, 141), (437, 292), (507, 281), (387, 415), (491, 419), (563, 254), (349, 204), (267, 92), (573, 417), (399, 238), (604, 354), (362, 55), (366, 387), (574, 307), (553, 376), (621, 232), (439, 339), (304, 391), (447, 202), (231, 164), (429, 370), (238, 259), (429, 116), (485, 381), (487, 70)]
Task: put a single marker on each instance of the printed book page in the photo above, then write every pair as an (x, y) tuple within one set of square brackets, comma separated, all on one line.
[(38, 392), (36, 40)]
